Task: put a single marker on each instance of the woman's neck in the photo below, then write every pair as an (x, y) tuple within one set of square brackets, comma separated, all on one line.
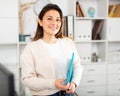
[(50, 40)]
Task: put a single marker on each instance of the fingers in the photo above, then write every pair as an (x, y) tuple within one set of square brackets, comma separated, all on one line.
[(59, 83), (71, 88)]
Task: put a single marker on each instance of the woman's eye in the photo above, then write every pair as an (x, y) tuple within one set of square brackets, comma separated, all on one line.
[(58, 20), (49, 18)]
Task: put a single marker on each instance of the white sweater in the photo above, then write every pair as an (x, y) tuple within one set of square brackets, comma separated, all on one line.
[(43, 63)]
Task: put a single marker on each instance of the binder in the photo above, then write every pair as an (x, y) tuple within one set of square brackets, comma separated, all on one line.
[(97, 29), (83, 30), (70, 26), (70, 70), (114, 10), (67, 28)]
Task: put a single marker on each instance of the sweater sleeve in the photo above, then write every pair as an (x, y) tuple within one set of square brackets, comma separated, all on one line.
[(77, 67), (28, 74)]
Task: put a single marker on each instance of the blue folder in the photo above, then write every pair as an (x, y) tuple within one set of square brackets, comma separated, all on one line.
[(70, 70)]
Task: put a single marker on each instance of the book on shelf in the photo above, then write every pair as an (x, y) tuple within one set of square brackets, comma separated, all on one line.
[(79, 10), (64, 27), (68, 26), (114, 10), (97, 29)]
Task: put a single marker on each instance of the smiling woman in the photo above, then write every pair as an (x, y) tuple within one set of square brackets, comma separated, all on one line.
[(51, 15), (47, 56), (51, 23)]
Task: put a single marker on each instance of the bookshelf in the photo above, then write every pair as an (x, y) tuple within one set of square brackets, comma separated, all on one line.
[(113, 50), (101, 56)]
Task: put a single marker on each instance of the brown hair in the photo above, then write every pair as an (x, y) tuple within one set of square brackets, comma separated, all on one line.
[(39, 31)]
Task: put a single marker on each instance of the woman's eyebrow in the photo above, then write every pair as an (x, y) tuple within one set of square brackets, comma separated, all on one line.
[(52, 17)]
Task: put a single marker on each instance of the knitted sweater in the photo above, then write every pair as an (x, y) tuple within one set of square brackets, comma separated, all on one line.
[(43, 63)]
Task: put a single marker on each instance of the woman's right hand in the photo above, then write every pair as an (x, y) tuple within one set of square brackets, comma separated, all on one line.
[(59, 83)]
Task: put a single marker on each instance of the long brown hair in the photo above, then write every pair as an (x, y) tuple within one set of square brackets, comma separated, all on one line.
[(39, 32)]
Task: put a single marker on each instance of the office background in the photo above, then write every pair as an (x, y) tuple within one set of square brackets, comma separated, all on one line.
[(95, 26)]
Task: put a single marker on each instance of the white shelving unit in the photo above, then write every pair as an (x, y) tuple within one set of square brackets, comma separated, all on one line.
[(113, 54), (94, 79), (99, 78)]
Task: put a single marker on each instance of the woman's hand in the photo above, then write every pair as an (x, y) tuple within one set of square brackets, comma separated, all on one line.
[(71, 88), (59, 83)]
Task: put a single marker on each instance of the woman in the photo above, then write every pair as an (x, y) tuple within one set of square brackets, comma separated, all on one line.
[(45, 61)]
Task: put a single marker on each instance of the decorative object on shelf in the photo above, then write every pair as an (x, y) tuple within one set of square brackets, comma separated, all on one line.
[(91, 11), (95, 57), (22, 37), (27, 25), (38, 6)]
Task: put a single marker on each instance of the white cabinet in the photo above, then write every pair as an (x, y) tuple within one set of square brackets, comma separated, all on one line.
[(9, 30), (9, 8)]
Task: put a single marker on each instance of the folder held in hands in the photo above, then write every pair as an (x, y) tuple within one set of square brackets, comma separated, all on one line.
[(70, 70)]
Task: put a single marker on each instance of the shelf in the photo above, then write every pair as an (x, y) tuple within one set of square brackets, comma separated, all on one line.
[(23, 43), (91, 18), (8, 43), (113, 41), (93, 8), (93, 63), (91, 41)]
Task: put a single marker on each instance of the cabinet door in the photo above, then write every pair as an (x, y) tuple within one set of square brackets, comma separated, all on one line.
[(91, 91), (8, 30), (114, 28), (113, 69), (93, 80), (8, 54), (114, 79), (94, 69), (8, 8), (113, 90)]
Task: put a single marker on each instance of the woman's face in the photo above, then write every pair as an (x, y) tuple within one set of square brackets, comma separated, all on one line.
[(51, 22)]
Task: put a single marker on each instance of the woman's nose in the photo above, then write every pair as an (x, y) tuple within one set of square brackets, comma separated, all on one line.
[(54, 22)]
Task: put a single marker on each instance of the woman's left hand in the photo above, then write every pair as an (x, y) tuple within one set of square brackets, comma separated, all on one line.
[(71, 88)]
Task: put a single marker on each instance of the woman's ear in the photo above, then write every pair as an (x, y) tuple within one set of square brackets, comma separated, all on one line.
[(39, 21)]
